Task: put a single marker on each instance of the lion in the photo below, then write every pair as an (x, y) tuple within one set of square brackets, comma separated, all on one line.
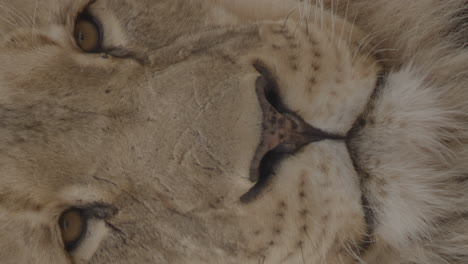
[(233, 131)]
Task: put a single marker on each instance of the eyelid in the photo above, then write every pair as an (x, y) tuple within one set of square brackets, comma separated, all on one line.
[(123, 53), (78, 10), (99, 210)]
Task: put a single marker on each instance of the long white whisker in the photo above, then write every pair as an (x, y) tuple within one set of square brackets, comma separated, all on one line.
[(343, 26), (34, 24), (332, 21), (289, 15)]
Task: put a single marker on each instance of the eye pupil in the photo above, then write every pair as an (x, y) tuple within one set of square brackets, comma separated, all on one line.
[(80, 37), (65, 225)]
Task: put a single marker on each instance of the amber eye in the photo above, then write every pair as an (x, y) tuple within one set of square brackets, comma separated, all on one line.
[(73, 227), (88, 33)]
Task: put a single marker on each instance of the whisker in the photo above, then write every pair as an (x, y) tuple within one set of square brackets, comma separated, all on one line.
[(332, 21), (289, 15), (302, 253), (34, 25), (343, 26)]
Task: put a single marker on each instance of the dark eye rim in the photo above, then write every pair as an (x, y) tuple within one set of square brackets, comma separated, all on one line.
[(70, 246), (87, 16)]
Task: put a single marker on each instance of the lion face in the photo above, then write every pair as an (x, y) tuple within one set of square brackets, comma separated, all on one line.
[(154, 137)]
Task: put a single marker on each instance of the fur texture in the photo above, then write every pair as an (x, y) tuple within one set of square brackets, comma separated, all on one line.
[(153, 137)]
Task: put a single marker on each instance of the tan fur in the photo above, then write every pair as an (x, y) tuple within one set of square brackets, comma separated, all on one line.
[(159, 134)]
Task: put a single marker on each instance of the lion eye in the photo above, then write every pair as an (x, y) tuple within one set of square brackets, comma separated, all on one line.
[(88, 33), (73, 227)]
